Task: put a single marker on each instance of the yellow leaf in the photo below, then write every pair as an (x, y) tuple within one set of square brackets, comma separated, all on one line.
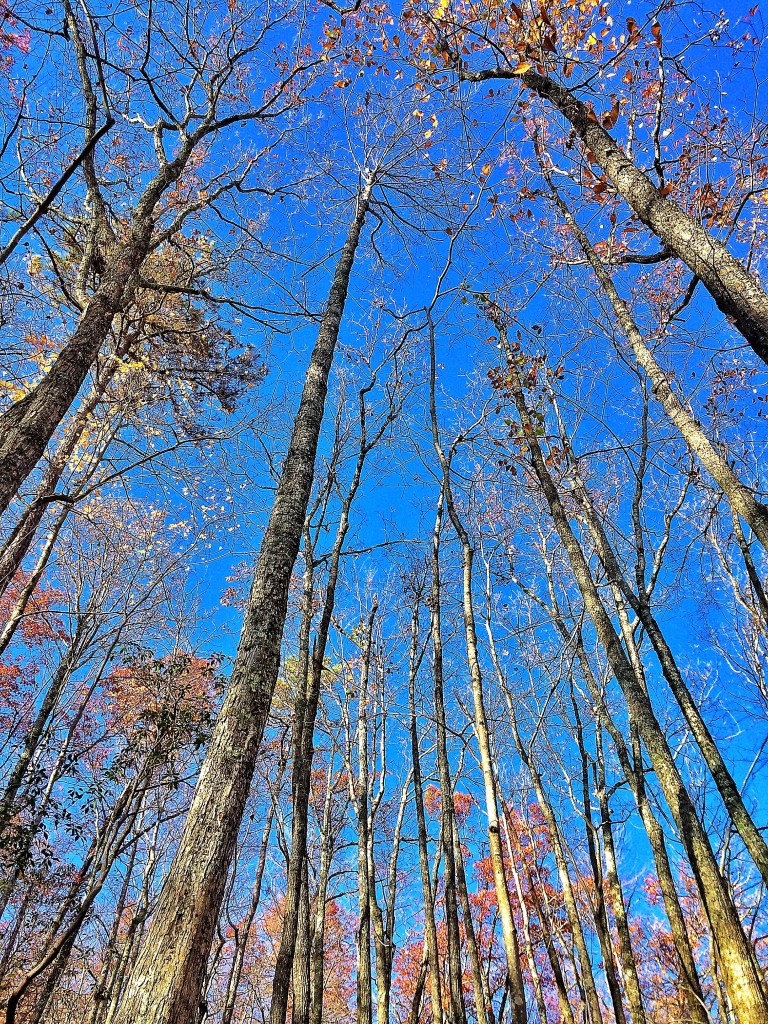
[(14, 392), (522, 68)]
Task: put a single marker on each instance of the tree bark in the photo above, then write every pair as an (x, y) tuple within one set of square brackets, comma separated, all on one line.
[(243, 933), (456, 1014), (35, 733), (689, 975), (384, 921), (626, 953), (563, 1002), (364, 977), (301, 960), (302, 752), (600, 913), (430, 927), (16, 613), (28, 425), (318, 929), (310, 677), (23, 534), (103, 982), (634, 774), (478, 988), (526, 920), (105, 847), (164, 987), (594, 1013)]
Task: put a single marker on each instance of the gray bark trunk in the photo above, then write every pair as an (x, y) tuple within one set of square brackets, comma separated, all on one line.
[(310, 677), (364, 977), (318, 928), (430, 928), (164, 987), (626, 953), (482, 1002), (455, 992)]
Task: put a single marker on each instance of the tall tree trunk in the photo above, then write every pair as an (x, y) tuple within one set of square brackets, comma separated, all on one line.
[(414, 1013), (600, 913), (301, 960), (318, 928), (17, 611), (103, 983), (741, 973), (563, 1002), (105, 847), (379, 940), (364, 978), (244, 931), (42, 800), (482, 1002), (136, 927), (28, 425), (511, 947), (302, 752), (52, 981), (457, 1014), (385, 927), (11, 933), (48, 705), (525, 918), (164, 987), (310, 677), (626, 954), (634, 774), (594, 1012), (430, 927)]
